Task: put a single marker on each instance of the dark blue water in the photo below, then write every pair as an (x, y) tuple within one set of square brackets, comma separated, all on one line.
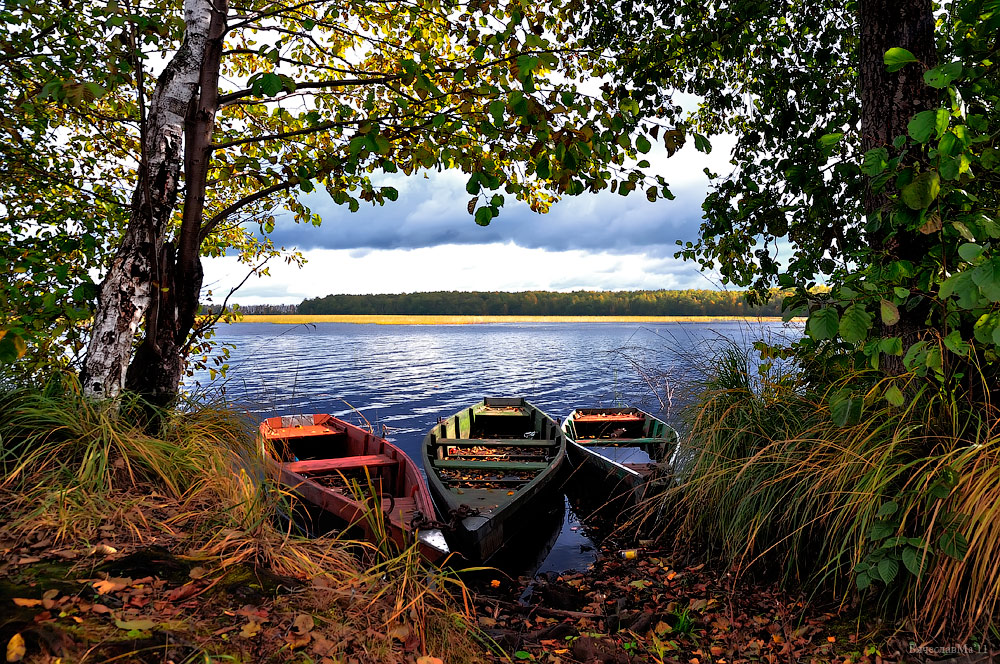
[(404, 377)]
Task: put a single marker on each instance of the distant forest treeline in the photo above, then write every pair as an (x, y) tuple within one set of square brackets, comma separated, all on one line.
[(544, 303)]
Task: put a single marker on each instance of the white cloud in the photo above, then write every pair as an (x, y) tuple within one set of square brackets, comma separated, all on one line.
[(485, 267)]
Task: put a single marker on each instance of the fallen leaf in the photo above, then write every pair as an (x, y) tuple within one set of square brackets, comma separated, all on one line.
[(105, 586), (400, 632), (52, 593), (102, 550), (224, 630), (198, 572), (185, 591), (716, 651), (250, 630), (100, 608), (135, 624), (323, 646), (20, 601), (297, 640), (15, 648), (303, 623), (27, 560), (427, 659)]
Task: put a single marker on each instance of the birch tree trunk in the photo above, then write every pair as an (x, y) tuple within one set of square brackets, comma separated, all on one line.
[(126, 291), (160, 359)]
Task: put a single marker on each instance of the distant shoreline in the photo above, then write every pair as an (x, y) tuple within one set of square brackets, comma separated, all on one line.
[(398, 319)]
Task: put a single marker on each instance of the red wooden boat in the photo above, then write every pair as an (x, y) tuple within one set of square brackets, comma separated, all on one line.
[(318, 457)]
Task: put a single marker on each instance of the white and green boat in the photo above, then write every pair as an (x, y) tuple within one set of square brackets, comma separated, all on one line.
[(486, 465), (624, 446)]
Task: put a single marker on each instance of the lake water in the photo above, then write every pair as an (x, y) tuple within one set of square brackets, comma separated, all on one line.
[(403, 377)]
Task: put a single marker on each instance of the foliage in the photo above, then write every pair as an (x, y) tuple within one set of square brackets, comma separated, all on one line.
[(328, 95), (895, 501), (904, 231), (544, 303)]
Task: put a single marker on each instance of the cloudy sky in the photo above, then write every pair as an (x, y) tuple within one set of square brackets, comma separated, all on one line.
[(427, 241)]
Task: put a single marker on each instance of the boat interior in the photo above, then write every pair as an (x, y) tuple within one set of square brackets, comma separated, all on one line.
[(498, 444), (326, 451)]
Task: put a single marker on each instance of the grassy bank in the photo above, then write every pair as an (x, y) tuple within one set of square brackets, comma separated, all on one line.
[(892, 508), (120, 545), (297, 319)]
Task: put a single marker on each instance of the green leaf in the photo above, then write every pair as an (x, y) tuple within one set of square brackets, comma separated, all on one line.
[(863, 581), (987, 277), (942, 75), (391, 193), (473, 186), (269, 84), (522, 654), (925, 123), (823, 323), (911, 560), (642, 144), (954, 342), (890, 312), (829, 140), (891, 346), (920, 193), (901, 292), (484, 216), (894, 396), (12, 347), (845, 408), (970, 251), (897, 58), (855, 323), (954, 544), (888, 568), (701, 144), (875, 161), (889, 507)]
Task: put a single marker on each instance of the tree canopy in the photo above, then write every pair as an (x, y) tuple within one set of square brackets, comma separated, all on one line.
[(866, 158), (146, 134)]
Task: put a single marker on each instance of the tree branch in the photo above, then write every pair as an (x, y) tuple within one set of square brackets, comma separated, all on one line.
[(221, 216)]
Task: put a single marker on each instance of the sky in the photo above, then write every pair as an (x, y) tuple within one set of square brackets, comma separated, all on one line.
[(427, 241)]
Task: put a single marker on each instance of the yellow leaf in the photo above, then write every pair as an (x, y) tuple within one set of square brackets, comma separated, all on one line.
[(250, 630), (135, 624), (198, 572), (15, 648)]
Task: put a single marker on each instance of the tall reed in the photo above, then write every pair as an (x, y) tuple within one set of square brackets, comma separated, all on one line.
[(771, 480)]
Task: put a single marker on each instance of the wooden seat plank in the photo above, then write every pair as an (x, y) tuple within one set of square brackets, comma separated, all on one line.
[(343, 463), (490, 465), (496, 442), (622, 441)]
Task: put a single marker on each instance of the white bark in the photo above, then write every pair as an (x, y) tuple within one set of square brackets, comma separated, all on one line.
[(126, 291)]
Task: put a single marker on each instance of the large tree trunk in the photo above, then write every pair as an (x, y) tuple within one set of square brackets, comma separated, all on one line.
[(159, 362), (888, 101), (127, 289)]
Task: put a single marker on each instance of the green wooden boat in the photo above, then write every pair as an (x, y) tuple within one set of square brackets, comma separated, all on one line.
[(485, 465), (623, 445)]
